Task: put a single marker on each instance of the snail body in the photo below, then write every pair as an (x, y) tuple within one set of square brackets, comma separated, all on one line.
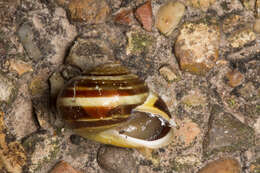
[(113, 106)]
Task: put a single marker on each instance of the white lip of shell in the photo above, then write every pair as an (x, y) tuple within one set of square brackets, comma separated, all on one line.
[(144, 143)]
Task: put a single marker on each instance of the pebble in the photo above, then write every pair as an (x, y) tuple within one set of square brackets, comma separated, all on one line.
[(187, 133), (202, 4), (39, 83), (168, 16), (116, 160), (144, 15), (21, 117), (124, 16), (197, 51), (64, 167), (194, 98), (225, 165), (6, 88), (20, 66), (89, 11), (235, 78), (26, 36), (257, 25), (226, 133), (88, 53), (168, 73), (241, 38)]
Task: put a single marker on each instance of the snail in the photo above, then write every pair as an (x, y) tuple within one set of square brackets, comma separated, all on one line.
[(113, 106)]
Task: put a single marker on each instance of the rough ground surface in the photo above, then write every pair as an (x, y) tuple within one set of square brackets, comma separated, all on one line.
[(206, 68)]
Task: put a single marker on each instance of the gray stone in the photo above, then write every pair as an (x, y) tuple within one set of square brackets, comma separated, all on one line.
[(116, 160), (20, 121), (226, 133), (26, 36), (47, 38), (88, 53)]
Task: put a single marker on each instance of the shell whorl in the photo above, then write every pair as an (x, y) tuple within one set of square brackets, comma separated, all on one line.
[(105, 97)]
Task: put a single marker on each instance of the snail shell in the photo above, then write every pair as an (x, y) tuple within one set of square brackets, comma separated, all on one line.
[(113, 106)]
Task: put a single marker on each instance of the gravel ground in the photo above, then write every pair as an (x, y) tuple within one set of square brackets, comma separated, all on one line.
[(201, 56)]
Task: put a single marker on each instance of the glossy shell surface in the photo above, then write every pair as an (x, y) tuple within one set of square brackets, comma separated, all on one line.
[(113, 106)]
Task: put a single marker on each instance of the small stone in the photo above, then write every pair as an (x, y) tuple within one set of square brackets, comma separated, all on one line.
[(64, 167), (227, 165), (6, 88), (89, 11), (144, 15), (88, 53), (241, 38), (139, 43), (116, 160), (20, 67), (124, 16), (194, 98), (169, 16), (257, 25), (202, 4), (235, 78), (187, 133), (39, 84), (168, 73), (26, 36), (197, 47), (62, 41), (21, 116), (226, 133)]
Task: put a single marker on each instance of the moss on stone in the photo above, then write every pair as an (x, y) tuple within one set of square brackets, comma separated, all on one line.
[(139, 42)]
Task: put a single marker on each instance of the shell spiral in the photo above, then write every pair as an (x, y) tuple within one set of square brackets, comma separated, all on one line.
[(113, 106)]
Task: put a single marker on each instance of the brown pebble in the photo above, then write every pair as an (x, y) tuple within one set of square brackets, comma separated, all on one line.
[(235, 78), (124, 16), (64, 167), (226, 165), (89, 11), (144, 15), (20, 67)]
